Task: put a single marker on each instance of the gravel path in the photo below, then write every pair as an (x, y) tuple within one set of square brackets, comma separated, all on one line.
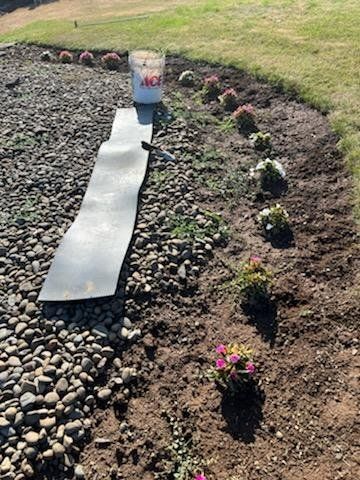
[(53, 360)]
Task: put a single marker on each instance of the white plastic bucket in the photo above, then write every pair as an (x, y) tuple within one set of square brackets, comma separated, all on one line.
[(147, 73)]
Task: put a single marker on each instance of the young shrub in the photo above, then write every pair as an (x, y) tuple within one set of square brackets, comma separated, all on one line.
[(275, 221), (261, 141), (229, 99), (244, 117), (111, 61), (187, 78), (211, 87), (253, 282), (271, 172), (46, 56), (86, 58), (65, 56), (234, 366)]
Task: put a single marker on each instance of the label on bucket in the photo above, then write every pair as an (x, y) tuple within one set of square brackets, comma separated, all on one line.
[(153, 81), (148, 88)]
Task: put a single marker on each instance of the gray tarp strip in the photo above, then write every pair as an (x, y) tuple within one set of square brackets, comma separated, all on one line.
[(89, 259)]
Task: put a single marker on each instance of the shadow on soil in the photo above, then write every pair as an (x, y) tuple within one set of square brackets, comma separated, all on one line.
[(243, 412), (264, 319)]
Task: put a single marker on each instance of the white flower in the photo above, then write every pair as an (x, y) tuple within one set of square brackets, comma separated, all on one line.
[(265, 212), (269, 226), (187, 77), (261, 166)]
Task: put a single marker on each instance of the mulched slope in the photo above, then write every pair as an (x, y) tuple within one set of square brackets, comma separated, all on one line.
[(300, 425)]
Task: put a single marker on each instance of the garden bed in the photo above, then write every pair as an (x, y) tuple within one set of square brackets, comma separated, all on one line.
[(197, 222)]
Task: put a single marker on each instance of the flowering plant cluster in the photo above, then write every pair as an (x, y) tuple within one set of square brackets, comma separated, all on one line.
[(261, 141), (234, 365), (244, 116), (253, 281), (270, 171), (211, 86), (46, 56), (229, 99), (275, 220), (187, 78), (65, 56), (111, 60), (86, 58)]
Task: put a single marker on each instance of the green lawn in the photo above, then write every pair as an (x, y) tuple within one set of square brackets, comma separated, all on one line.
[(312, 46)]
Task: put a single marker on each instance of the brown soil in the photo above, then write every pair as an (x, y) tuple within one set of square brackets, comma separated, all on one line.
[(300, 423)]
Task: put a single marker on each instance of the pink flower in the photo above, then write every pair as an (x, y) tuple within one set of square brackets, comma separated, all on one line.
[(230, 92), (212, 80), (200, 477), (244, 110), (250, 368), (255, 259), (221, 349), (220, 363), (234, 358), (65, 56), (111, 60)]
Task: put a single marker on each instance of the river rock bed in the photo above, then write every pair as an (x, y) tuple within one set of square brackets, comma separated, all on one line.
[(96, 372)]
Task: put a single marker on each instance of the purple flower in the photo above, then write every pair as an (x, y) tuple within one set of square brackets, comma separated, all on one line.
[(250, 368), (220, 363), (200, 477), (86, 58), (234, 358), (255, 259), (221, 349)]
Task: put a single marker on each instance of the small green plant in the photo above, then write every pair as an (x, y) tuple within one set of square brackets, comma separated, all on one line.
[(111, 61), (227, 125), (234, 366), (181, 110), (160, 176), (65, 56), (20, 141), (210, 161), (183, 226), (182, 462), (244, 117), (252, 282), (27, 212), (261, 141), (236, 184), (229, 99), (275, 221), (187, 78), (269, 171)]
